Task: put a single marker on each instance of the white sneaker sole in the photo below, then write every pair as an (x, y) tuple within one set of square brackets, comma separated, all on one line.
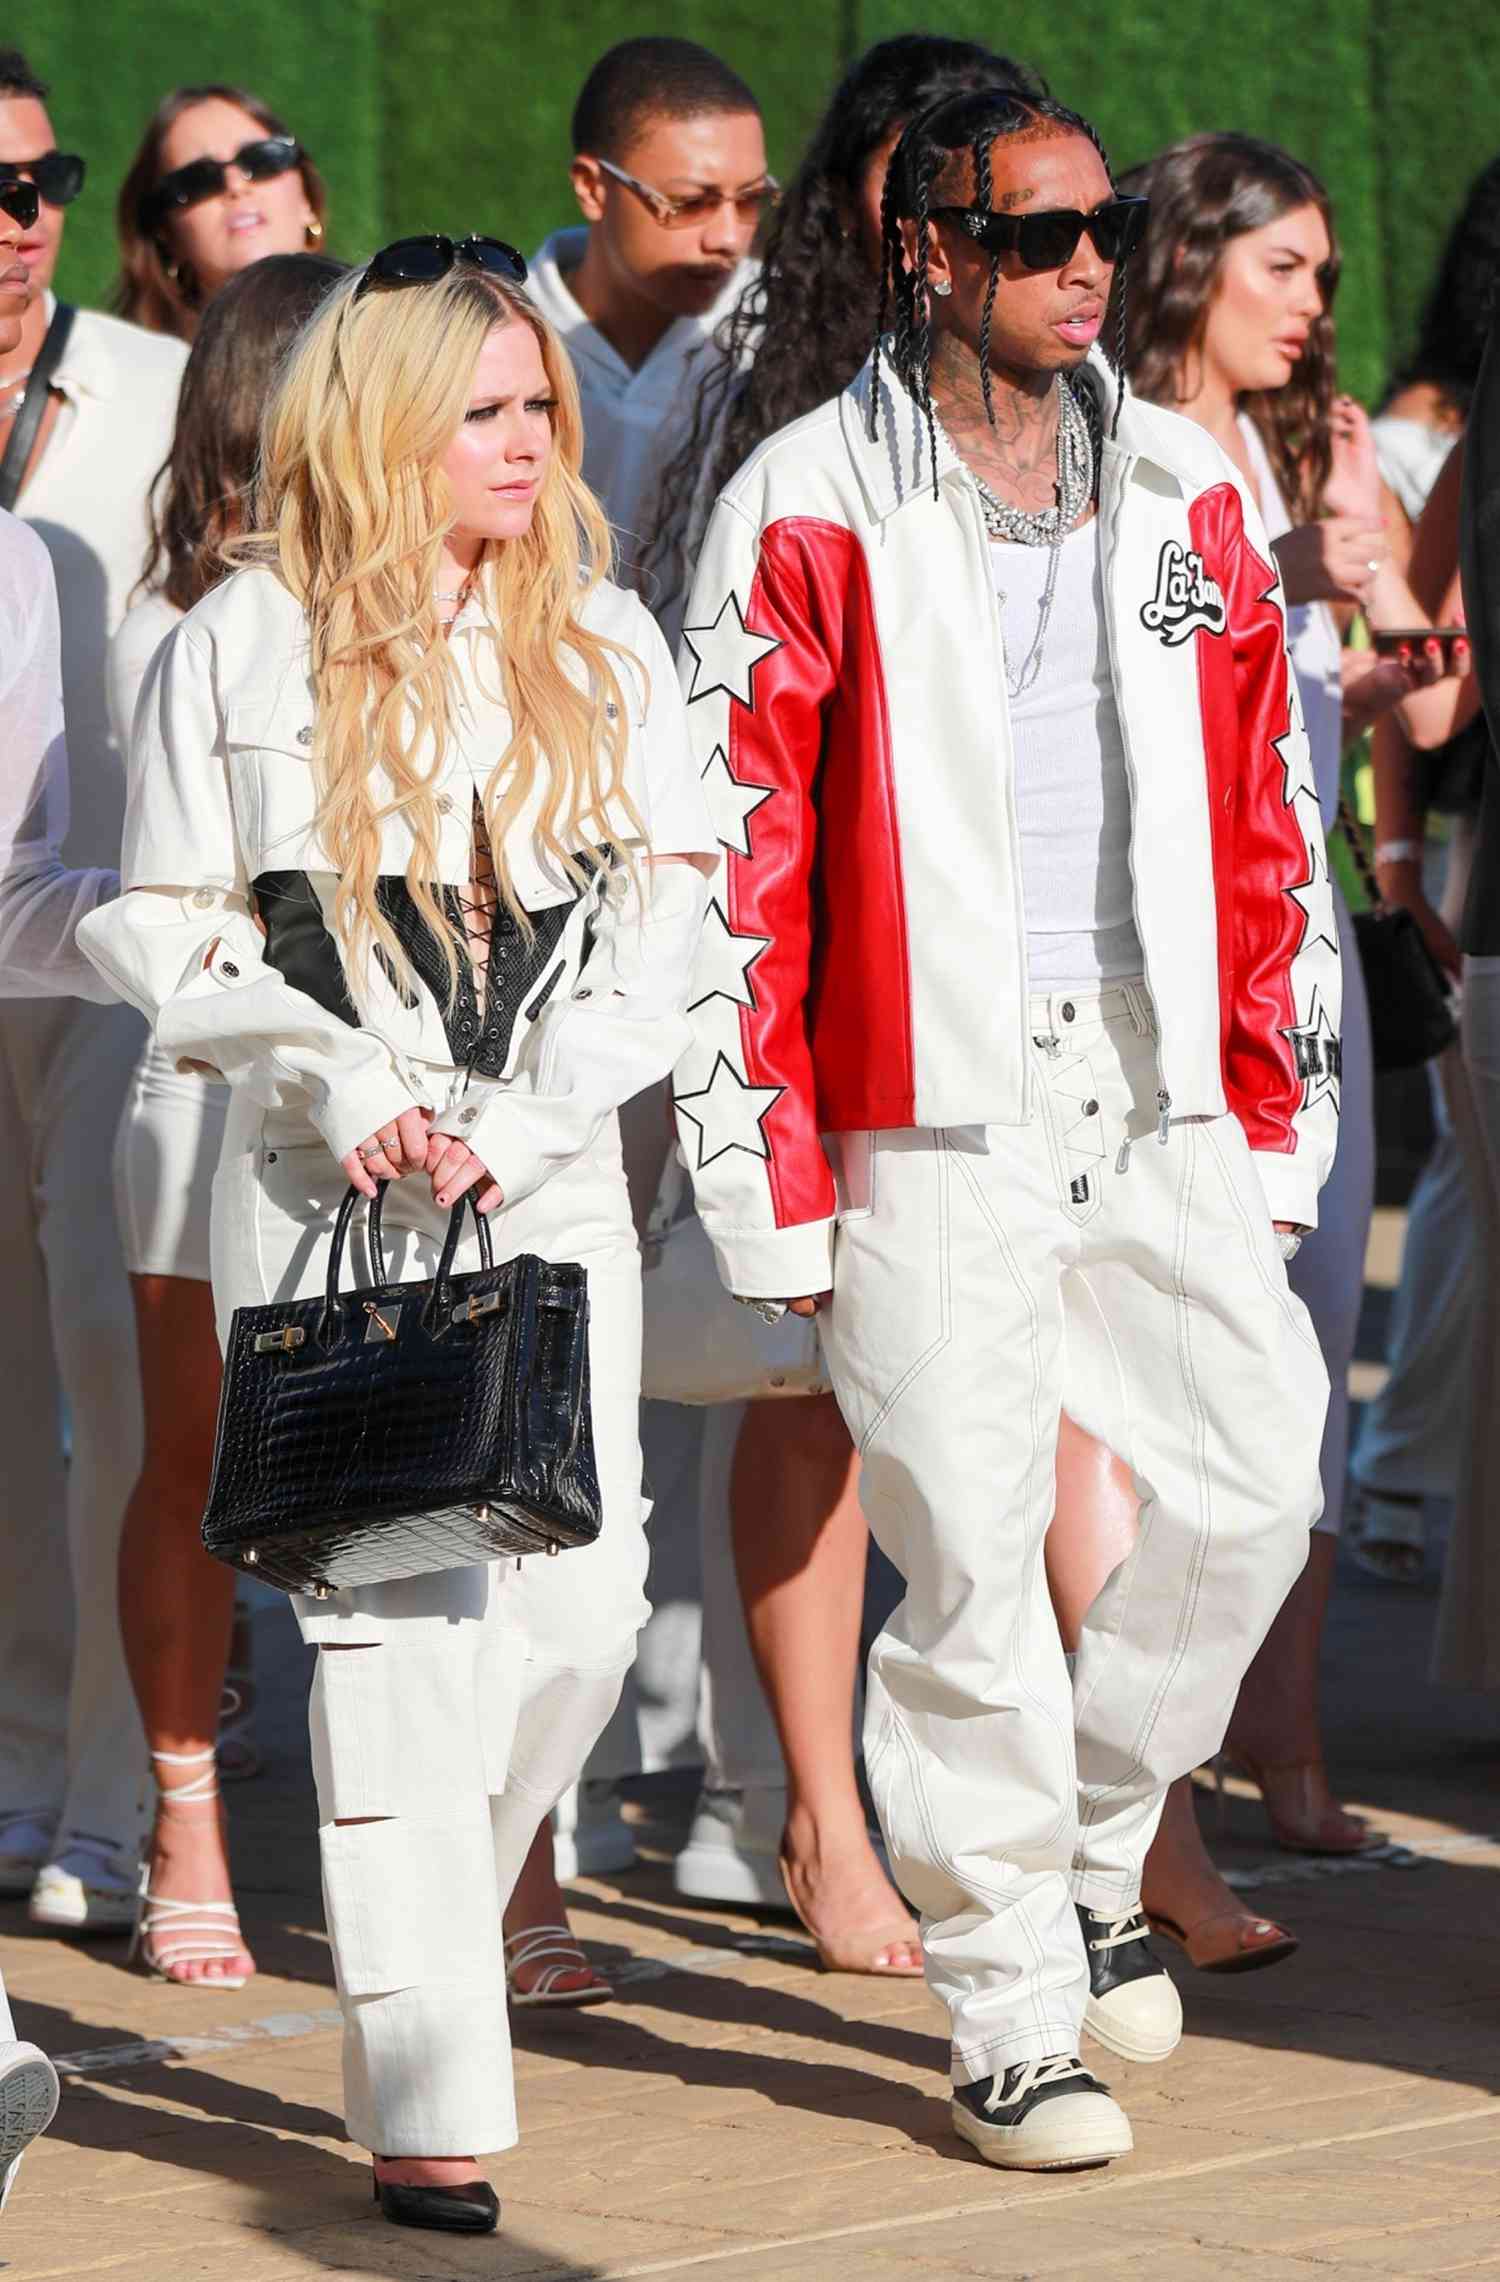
[(28, 2102), (1130, 2043), (1074, 2134), (748, 1879), (83, 1913)]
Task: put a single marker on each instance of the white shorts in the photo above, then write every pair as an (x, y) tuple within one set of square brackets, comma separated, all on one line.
[(166, 1151)]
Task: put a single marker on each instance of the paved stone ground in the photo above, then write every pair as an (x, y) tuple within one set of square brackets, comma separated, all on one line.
[(741, 2114)]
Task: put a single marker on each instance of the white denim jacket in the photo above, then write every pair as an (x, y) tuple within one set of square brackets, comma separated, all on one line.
[(220, 830)]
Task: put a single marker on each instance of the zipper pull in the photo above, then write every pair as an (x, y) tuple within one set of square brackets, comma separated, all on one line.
[(1122, 1162), (1163, 1115)]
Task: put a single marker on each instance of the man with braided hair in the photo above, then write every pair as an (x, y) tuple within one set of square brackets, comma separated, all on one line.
[(1016, 1057)]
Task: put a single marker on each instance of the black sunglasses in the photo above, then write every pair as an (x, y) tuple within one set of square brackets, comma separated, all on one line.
[(422, 261), (20, 200), (204, 178), (58, 175), (1046, 241)]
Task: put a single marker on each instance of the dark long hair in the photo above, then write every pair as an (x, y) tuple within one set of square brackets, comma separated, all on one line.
[(1204, 193), (947, 150), (146, 291), (802, 331), (199, 498), (1456, 316)]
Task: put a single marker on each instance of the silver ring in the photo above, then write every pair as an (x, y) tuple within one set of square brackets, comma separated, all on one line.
[(372, 1151), (389, 1140), (1373, 566)]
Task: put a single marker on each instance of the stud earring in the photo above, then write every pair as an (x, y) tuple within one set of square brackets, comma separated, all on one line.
[(942, 286), (314, 231)]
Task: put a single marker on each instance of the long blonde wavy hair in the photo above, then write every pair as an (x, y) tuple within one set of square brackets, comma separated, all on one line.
[(350, 511)]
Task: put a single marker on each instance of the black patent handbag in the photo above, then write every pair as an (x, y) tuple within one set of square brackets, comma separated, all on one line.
[(1411, 1005), (406, 1428)]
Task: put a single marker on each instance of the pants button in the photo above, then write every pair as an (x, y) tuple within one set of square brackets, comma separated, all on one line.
[(1091, 1109), (1068, 1010)]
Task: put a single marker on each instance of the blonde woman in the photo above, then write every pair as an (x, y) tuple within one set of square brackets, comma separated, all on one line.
[(442, 762)]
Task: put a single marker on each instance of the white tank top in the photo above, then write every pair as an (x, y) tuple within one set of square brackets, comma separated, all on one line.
[(1072, 791)]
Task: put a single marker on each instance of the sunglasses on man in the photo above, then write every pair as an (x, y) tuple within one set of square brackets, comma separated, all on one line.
[(1046, 241), (58, 175), (683, 213), (422, 261), (204, 178), (20, 200)]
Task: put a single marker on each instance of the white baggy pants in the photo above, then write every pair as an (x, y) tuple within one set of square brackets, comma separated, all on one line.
[(468, 1701), (985, 1279), (71, 1742)]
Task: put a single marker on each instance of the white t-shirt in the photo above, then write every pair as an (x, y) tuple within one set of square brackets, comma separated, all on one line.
[(1072, 789), (40, 902), (1412, 455), (87, 499), (634, 420)]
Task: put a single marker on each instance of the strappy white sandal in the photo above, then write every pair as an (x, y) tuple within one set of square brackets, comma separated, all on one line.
[(170, 1933), (558, 1953)]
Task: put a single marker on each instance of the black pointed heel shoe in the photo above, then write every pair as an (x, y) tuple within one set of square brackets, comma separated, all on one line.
[(474, 2209)]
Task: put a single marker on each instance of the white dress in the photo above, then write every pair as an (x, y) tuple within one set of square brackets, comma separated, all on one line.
[(1328, 1274), (171, 1128)]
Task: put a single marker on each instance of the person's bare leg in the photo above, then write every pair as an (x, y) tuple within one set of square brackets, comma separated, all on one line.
[(800, 1545), (176, 1603), (1277, 1726), (536, 1900)]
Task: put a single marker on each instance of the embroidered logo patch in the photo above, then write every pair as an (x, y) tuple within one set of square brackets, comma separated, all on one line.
[(1185, 598)]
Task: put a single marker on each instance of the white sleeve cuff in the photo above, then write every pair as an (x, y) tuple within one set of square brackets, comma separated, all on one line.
[(776, 1263)]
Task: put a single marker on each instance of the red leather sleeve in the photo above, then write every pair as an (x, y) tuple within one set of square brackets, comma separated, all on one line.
[(1259, 845)]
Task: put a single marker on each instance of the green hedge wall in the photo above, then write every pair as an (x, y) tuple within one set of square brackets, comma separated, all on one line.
[(457, 118)]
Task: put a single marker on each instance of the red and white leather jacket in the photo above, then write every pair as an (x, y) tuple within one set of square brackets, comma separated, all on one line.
[(863, 965)]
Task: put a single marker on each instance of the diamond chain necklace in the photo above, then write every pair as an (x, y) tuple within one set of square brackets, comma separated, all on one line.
[(1077, 459)]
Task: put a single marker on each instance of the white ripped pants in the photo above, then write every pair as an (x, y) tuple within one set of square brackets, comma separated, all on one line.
[(986, 1279), (448, 1712)]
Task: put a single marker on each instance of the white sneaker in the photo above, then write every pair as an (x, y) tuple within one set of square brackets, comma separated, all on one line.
[(25, 1842), (590, 1836), (1133, 2007), (733, 1849), (89, 1886), (28, 2102), (1042, 2115)]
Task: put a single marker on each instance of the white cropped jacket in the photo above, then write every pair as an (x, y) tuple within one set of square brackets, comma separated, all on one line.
[(220, 832)]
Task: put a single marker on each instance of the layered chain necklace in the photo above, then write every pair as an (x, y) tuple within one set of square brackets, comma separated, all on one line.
[(1078, 430)]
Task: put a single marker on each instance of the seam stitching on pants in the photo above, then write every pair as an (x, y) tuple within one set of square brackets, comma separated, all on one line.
[(1283, 1296), (945, 1332)]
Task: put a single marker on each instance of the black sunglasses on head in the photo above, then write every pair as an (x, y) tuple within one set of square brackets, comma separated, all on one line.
[(203, 178), (20, 200), (422, 261), (1046, 241), (58, 175)]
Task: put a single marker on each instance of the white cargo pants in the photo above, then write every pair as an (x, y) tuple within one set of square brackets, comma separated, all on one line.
[(468, 1701), (986, 1279)]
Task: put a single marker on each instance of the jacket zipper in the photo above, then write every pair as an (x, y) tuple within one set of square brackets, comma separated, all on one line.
[(1111, 556)]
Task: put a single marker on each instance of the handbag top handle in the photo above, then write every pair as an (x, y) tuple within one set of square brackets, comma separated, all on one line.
[(341, 1226)]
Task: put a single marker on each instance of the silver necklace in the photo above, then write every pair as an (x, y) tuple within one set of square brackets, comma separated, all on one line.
[(1077, 457), (12, 390)]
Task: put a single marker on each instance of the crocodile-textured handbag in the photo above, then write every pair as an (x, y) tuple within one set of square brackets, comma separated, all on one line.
[(406, 1428)]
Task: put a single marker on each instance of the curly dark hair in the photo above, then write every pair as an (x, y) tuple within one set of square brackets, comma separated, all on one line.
[(1204, 193), (946, 149), (802, 331), (1455, 320), (198, 499)]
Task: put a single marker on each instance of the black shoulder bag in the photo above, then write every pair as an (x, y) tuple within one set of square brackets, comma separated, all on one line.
[(406, 1428), (1411, 1006), (33, 404)]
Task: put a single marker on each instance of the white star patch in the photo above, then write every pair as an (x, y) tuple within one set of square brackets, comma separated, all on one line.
[(729, 1114), (1297, 777), (1314, 899), (1318, 1055), (726, 654), (731, 802), (722, 967)]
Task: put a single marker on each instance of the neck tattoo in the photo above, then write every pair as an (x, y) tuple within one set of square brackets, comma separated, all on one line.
[(1078, 435)]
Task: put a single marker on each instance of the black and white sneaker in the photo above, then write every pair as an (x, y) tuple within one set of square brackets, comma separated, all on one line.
[(28, 2102), (1133, 2006), (1042, 2115)]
